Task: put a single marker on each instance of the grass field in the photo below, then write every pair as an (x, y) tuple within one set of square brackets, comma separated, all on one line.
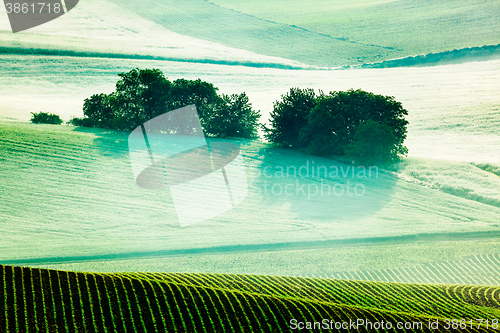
[(84, 207), (64, 301), (403, 26), (440, 261), (454, 110), (84, 204), (331, 33), (419, 244), (106, 29), (287, 32), (460, 179)]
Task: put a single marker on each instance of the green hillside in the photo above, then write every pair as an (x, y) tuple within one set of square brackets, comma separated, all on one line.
[(331, 33), (63, 301), (69, 193), (97, 28), (470, 262), (405, 25), (203, 20), (283, 34)]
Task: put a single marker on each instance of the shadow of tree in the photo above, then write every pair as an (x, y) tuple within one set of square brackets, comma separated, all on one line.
[(317, 188)]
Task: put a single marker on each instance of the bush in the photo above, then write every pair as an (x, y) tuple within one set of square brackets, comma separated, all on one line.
[(45, 118), (289, 116), (84, 122)]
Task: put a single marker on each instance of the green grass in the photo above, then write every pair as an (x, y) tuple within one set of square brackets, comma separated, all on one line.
[(494, 169), (472, 262), (86, 171), (388, 28), (73, 192), (453, 110), (277, 34), (203, 20), (103, 29), (330, 33), (64, 301), (459, 179), (104, 213)]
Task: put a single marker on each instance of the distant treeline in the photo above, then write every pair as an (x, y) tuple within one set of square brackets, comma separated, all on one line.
[(455, 56), (87, 54), (431, 59)]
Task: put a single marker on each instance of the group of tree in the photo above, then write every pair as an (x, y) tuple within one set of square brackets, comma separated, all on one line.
[(359, 125), (142, 94), (355, 124)]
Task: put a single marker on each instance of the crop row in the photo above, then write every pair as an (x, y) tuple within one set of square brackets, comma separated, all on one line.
[(425, 299), (42, 300), (482, 269)]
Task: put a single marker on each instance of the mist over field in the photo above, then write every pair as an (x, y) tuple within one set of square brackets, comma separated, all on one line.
[(69, 198)]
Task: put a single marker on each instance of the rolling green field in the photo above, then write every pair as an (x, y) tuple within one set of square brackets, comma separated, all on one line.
[(84, 203), (330, 33), (405, 27), (287, 32), (69, 200), (469, 261), (454, 110), (420, 244), (430, 222), (63, 301), (104, 29)]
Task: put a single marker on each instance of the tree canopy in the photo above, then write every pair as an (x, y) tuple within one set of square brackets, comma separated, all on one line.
[(366, 127), (289, 116), (142, 94)]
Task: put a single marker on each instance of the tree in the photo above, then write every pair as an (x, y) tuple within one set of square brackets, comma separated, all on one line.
[(333, 125), (188, 92), (352, 123), (232, 116), (289, 116), (143, 94), (45, 118), (99, 110), (374, 144)]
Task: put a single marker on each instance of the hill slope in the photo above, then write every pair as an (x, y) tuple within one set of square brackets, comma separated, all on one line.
[(285, 33), (103, 29), (70, 193), (62, 301), (330, 33)]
